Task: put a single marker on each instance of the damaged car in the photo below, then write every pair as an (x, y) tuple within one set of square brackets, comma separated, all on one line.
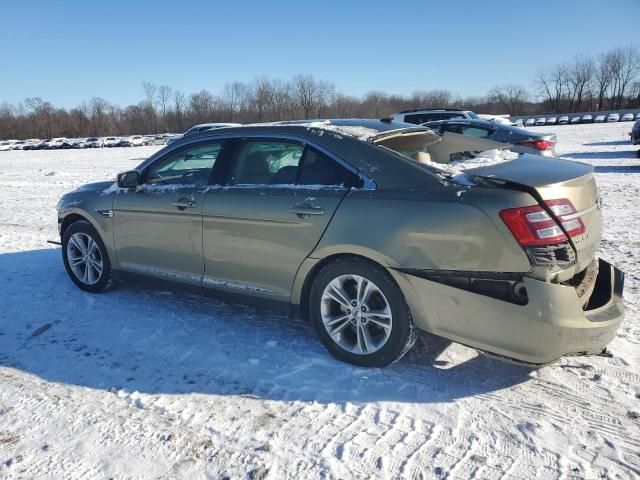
[(364, 228)]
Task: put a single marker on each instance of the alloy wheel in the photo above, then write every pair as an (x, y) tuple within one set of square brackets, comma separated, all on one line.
[(356, 314), (85, 259)]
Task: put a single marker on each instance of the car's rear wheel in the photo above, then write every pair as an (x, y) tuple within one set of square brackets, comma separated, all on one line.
[(360, 313), (85, 258)]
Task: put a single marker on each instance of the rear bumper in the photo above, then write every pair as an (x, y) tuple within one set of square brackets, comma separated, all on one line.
[(551, 325)]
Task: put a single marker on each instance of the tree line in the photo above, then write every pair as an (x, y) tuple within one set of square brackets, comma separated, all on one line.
[(609, 81)]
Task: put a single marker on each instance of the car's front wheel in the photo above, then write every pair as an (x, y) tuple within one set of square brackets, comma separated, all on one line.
[(85, 258), (360, 313)]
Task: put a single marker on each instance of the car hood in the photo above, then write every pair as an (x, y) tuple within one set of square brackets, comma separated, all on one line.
[(94, 187)]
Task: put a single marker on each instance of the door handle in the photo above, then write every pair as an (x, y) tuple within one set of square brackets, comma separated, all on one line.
[(183, 203), (303, 210)]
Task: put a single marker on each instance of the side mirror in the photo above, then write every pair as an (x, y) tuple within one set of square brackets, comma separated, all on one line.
[(128, 179)]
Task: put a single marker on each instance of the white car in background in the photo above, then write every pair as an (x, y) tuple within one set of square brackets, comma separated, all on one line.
[(599, 119), (59, 142), (496, 119), (6, 145), (587, 118), (529, 122), (563, 120), (613, 117), (551, 120), (137, 140), (111, 142), (575, 120), (627, 117), (541, 121)]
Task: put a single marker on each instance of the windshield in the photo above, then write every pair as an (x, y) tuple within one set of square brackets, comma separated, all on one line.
[(473, 115)]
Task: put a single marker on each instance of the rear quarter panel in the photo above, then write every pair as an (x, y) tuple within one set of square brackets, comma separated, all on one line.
[(453, 231)]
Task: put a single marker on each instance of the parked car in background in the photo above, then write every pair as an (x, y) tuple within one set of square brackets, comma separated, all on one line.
[(511, 270), (111, 142), (635, 133), (563, 120), (522, 140), (529, 122), (613, 117), (638, 116), (40, 145), (78, 143), (57, 143), (599, 119), (541, 121), (5, 145), (495, 118), (575, 120), (18, 145), (30, 143), (551, 120), (94, 142), (627, 117), (587, 118), (124, 142), (422, 115), (136, 140)]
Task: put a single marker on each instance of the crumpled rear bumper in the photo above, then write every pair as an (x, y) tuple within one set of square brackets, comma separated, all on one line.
[(551, 325)]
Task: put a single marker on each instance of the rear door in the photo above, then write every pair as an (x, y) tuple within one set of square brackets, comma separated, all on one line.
[(258, 229)]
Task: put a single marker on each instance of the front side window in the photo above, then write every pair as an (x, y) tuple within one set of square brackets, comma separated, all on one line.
[(266, 163), (191, 166)]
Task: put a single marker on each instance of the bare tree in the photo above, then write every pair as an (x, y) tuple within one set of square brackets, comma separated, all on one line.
[(98, 108), (511, 97), (179, 106), (580, 75), (311, 95), (150, 95), (603, 76), (552, 84), (164, 96)]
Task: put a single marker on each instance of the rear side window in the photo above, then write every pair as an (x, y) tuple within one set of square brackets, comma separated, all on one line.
[(319, 169), (266, 163), (420, 118), (476, 132)]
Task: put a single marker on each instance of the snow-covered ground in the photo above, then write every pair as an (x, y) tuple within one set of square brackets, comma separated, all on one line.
[(151, 384)]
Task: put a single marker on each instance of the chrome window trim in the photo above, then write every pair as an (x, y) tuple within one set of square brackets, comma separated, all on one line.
[(368, 183)]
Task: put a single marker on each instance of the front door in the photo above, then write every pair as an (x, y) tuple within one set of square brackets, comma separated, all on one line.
[(158, 226), (261, 226)]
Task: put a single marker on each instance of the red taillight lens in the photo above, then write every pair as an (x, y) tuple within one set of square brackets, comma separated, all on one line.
[(564, 210), (533, 226), (538, 144)]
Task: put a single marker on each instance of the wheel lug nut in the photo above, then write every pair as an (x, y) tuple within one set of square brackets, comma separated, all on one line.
[(348, 312), (353, 303), (364, 309)]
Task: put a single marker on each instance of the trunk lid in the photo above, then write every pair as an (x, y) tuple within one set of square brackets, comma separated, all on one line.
[(550, 179)]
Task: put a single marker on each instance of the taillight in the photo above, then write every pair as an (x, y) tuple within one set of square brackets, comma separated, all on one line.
[(564, 210), (533, 226), (538, 144)]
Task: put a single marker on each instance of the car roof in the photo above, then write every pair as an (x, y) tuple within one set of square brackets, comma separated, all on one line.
[(431, 110), (344, 138)]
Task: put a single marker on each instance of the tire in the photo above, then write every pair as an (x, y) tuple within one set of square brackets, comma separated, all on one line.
[(78, 236), (388, 339)]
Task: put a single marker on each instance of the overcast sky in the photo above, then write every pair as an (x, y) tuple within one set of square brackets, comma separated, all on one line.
[(68, 52)]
